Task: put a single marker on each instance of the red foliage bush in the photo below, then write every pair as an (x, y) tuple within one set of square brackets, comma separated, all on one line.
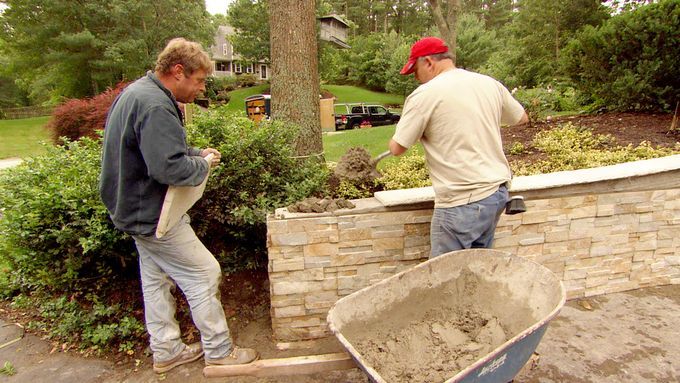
[(82, 117)]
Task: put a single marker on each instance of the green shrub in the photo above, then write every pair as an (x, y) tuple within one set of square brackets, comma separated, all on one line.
[(631, 61), (223, 97), (214, 86), (409, 172), (543, 101), (55, 232), (257, 174), (246, 80)]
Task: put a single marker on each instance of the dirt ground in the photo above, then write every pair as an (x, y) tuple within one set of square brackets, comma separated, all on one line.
[(625, 337), (626, 128)]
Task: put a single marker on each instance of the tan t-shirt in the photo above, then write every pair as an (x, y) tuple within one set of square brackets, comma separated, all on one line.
[(457, 117)]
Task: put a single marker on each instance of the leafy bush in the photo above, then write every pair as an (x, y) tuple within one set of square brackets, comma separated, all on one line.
[(631, 61), (55, 232), (215, 86), (409, 172), (257, 174), (569, 148), (82, 117), (543, 101), (247, 80)]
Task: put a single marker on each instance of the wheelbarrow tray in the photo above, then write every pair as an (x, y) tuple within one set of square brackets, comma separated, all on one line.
[(508, 287)]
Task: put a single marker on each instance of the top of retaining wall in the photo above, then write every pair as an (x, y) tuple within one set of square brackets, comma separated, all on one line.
[(653, 174)]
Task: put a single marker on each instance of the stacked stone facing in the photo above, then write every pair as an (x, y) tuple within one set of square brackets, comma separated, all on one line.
[(596, 244)]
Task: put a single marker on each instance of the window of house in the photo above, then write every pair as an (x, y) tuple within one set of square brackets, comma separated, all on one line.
[(237, 68), (249, 68), (221, 66)]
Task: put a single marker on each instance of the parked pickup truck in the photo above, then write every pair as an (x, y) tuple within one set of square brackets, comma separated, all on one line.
[(352, 116)]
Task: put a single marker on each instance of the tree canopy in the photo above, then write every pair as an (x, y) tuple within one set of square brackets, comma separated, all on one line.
[(63, 48)]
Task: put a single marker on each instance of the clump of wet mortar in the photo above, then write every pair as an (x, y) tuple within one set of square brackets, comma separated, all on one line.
[(355, 167), (320, 205)]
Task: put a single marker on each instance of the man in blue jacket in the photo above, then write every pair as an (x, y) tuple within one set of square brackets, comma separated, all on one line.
[(144, 152)]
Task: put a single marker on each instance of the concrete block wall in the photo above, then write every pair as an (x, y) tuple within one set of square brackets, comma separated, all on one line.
[(596, 244)]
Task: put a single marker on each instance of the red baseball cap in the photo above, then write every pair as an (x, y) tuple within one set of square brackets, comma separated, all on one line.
[(423, 47)]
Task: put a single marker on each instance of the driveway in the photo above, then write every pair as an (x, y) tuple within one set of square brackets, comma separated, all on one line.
[(623, 337)]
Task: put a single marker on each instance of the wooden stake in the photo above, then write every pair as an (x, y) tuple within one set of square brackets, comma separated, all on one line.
[(301, 365), (674, 124)]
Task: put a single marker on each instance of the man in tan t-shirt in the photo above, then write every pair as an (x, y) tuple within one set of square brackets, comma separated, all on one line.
[(457, 115)]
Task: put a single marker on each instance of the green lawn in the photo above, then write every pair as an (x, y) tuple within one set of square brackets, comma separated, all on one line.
[(374, 139), (20, 138), (236, 102), (348, 93)]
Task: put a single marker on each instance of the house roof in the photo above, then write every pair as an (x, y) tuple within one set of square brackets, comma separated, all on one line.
[(336, 17)]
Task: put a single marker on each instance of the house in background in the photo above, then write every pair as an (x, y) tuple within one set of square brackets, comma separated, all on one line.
[(334, 29), (229, 63)]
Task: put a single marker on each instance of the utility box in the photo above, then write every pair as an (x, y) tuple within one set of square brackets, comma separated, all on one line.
[(327, 114), (258, 107)]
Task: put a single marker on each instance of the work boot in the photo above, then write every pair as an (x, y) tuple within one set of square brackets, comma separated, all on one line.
[(189, 354), (237, 355)]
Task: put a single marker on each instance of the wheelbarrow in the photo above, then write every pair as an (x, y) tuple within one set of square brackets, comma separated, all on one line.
[(517, 296)]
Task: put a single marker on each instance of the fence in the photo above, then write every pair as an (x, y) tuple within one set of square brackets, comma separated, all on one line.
[(25, 112)]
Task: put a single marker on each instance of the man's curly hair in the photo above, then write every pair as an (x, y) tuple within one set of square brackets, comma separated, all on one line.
[(188, 53)]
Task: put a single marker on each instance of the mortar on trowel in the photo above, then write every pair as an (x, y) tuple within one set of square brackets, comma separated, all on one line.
[(357, 166)]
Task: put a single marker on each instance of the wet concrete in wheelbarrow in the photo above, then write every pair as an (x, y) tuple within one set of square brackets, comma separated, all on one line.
[(623, 337)]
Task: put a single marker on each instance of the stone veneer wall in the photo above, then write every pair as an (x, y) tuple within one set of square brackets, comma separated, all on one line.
[(595, 243)]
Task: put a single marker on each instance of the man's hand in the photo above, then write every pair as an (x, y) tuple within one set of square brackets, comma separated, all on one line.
[(396, 149), (216, 158)]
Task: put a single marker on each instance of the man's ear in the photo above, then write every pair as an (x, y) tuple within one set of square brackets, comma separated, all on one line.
[(177, 70), (429, 61)]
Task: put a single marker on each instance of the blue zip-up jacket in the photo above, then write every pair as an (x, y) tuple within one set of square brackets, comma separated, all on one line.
[(144, 151)]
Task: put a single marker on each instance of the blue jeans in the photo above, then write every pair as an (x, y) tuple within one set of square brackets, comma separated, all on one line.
[(180, 257), (467, 226)]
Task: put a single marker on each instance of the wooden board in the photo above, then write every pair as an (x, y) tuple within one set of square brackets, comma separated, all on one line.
[(300, 365), (178, 200)]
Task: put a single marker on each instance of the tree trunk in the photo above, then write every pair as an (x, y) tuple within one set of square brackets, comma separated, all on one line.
[(447, 26), (295, 74)]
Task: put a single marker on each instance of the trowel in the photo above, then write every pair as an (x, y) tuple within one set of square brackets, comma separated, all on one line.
[(374, 163)]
